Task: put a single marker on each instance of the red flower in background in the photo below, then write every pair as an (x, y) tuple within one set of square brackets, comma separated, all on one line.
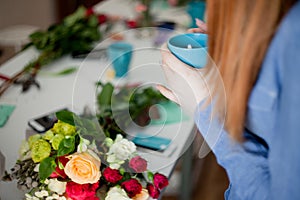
[(131, 23), (153, 191), (132, 187), (60, 172), (81, 191), (160, 181), (89, 12), (101, 18), (112, 175), (138, 164)]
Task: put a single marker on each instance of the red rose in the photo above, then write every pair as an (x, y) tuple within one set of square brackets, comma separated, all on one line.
[(112, 175), (60, 172), (132, 187), (81, 191), (89, 12), (160, 181), (138, 164), (153, 191), (102, 18)]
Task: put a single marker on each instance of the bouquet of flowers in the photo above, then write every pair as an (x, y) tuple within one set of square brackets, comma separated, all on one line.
[(75, 160)]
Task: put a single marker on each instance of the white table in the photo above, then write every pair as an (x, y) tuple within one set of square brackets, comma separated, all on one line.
[(78, 90)]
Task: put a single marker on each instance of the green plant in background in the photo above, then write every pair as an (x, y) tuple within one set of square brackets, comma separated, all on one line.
[(77, 32), (115, 103)]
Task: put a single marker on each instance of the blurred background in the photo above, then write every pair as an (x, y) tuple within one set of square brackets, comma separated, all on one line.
[(19, 18)]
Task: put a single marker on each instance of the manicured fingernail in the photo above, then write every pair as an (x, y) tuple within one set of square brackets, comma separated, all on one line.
[(198, 21)]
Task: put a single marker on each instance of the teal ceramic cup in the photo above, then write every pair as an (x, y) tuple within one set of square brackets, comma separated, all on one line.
[(120, 54), (190, 48)]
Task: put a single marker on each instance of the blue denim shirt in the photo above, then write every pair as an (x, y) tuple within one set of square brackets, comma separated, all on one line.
[(267, 165)]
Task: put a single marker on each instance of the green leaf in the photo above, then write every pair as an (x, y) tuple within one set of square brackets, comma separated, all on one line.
[(104, 98), (47, 166), (64, 71), (66, 146), (150, 176), (92, 128), (66, 116), (78, 14)]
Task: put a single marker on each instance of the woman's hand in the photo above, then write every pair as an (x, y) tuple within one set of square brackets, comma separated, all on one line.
[(187, 86), (202, 28)]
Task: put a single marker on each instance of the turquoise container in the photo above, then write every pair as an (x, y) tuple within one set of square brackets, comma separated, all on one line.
[(120, 54), (196, 55)]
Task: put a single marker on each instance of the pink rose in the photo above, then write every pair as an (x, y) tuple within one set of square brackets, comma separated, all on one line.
[(132, 187), (153, 191), (77, 191), (138, 164), (112, 175), (141, 8), (173, 2), (160, 181)]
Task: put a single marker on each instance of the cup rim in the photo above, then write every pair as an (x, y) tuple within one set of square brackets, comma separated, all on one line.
[(191, 35)]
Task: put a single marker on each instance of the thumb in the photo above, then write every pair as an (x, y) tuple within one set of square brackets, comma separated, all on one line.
[(167, 93)]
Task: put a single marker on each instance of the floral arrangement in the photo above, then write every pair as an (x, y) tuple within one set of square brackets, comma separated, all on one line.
[(74, 160)]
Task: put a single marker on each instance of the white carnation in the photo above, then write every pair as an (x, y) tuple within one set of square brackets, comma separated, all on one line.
[(122, 148), (57, 186), (116, 193)]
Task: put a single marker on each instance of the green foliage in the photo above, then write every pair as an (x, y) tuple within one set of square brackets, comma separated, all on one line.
[(66, 146), (114, 105), (76, 32), (47, 166), (66, 116)]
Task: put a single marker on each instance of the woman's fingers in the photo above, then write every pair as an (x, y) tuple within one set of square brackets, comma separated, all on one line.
[(167, 93), (201, 24), (202, 27)]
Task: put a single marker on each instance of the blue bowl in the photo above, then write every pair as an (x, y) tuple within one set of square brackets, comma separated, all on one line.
[(190, 48)]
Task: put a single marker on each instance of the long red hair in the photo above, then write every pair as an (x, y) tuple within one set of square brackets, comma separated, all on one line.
[(239, 34)]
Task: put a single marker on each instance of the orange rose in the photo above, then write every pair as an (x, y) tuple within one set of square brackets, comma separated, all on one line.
[(144, 195), (83, 168)]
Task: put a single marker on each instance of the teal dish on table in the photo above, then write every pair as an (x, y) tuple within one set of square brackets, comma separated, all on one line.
[(190, 48)]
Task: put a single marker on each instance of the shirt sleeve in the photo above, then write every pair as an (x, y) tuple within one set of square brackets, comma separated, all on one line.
[(245, 163), (284, 157)]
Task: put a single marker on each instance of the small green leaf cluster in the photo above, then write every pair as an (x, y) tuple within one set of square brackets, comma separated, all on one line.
[(115, 103)]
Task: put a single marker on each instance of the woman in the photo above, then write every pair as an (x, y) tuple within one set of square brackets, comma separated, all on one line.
[(255, 47)]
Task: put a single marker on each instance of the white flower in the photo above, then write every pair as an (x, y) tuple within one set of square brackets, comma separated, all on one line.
[(116, 193), (82, 147), (41, 194), (114, 163), (56, 197), (46, 181), (37, 168), (122, 148), (29, 197), (57, 186)]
